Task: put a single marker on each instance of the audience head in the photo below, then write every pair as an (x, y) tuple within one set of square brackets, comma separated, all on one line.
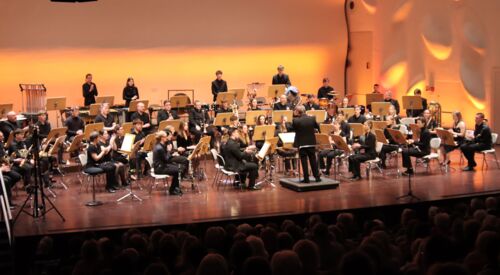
[(286, 262), (213, 264)]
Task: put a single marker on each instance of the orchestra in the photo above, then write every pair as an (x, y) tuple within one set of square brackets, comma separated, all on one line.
[(234, 140)]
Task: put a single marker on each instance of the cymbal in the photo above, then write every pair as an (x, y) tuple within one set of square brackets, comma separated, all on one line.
[(333, 93)]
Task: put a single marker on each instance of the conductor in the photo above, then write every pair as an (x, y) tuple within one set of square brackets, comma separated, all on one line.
[(305, 141)]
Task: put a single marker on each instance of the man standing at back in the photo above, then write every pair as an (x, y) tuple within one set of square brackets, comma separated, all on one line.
[(305, 140)]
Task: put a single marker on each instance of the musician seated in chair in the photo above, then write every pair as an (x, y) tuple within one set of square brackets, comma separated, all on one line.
[(391, 146), (198, 121), (224, 108), (311, 103), (420, 148), (96, 158), (43, 125), (331, 154), (238, 161), (143, 115), (167, 113), (105, 141), (183, 138), (18, 150), (177, 158), (162, 161), (458, 132), (480, 141), (140, 157), (358, 117), (11, 177), (286, 153), (120, 136), (367, 144), (282, 105), (253, 105), (9, 125), (106, 118), (74, 123)]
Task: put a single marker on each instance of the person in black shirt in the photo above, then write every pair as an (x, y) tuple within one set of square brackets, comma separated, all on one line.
[(224, 108), (430, 122), (130, 92), (481, 141), (17, 150), (10, 176), (198, 119), (140, 157), (367, 144), (394, 102), (421, 148), (391, 145), (311, 103), (218, 85), (357, 117), (167, 113), (162, 157), (325, 89), (253, 105), (10, 124), (417, 112), (106, 118), (281, 77), (345, 103), (238, 161), (330, 154), (345, 128), (183, 137), (89, 90), (106, 140), (143, 116), (282, 105), (74, 123), (96, 158), (304, 127), (43, 125)]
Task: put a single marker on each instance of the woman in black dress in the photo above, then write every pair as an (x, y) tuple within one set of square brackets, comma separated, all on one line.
[(130, 92), (458, 132)]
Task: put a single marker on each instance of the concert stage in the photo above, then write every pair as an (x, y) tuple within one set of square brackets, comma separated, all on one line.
[(225, 203)]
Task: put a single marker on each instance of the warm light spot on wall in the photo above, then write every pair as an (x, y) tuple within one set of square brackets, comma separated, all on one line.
[(441, 52), (480, 105), (419, 85), (394, 74), (370, 5), (403, 11)]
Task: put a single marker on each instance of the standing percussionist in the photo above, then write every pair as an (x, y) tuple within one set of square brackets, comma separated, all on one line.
[(89, 90), (198, 119), (238, 161), (304, 127), (281, 77), (481, 140), (162, 161), (218, 85)]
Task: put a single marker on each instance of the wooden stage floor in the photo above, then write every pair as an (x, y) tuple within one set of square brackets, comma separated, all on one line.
[(213, 204)]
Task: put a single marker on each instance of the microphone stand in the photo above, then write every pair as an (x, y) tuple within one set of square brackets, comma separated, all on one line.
[(410, 191)]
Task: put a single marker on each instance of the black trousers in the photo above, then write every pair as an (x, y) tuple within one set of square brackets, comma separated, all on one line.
[(288, 162), (309, 153), (250, 170), (182, 161), (329, 155), (411, 152), (355, 163), (10, 179), (386, 149), (469, 149), (171, 170), (110, 169), (25, 171)]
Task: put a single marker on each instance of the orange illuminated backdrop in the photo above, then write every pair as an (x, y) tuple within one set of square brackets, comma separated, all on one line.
[(168, 45)]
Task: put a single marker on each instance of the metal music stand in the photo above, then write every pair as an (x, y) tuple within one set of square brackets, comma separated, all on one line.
[(225, 96), (239, 93), (128, 147), (179, 101), (94, 127), (326, 128), (447, 138), (412, 102), (274, 91), (56, 104), (263, 132), (133, 105), (380, 108), (357, 129), (223, 119), (278, 115), (379, 125), (251, 116), (341, 144), (374, 97), (105, 99), (320, 115), (266, 154), (348, 112), (176, 123)]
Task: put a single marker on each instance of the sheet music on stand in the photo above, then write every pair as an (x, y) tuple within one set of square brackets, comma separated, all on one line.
[(275, 91), (127, 144), (223, 119), (5, 108), (446, 137), (278, 115), (287, 139)]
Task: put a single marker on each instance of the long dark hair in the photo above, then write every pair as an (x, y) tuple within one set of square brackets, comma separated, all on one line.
[(128, 80)]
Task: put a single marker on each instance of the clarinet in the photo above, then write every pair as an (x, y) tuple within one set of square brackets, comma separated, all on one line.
[(204, 121)]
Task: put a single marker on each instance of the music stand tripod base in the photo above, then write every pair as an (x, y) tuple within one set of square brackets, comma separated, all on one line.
[(93, 203)]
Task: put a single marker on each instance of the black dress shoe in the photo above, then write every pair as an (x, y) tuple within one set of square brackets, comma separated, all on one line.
[(305, 181), (468, 168), (318, 179), (355, 178), (408, 173), (111, 190), (253, 188), (175, 192)]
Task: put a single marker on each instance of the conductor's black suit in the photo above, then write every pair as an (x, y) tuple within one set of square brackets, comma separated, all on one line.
[(304, 127)]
